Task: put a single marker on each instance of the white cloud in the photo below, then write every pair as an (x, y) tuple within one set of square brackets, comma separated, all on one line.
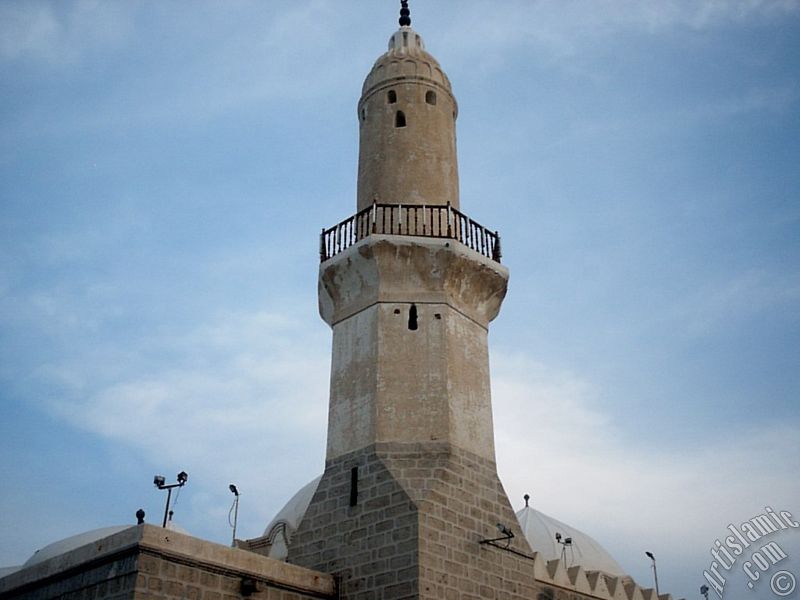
[(27, 28), (562, 29), (621, 488), (58, 33), (247, 402)]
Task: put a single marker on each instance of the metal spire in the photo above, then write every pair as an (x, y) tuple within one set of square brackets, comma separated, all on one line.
[(405, 14)]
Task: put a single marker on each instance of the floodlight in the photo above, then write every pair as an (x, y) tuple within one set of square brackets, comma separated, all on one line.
[(161, 483)]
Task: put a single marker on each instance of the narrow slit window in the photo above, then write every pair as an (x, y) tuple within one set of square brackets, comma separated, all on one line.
[(412, 318), (353, 486), (363, 114), (391, 96), (400, 119), (430, 97)]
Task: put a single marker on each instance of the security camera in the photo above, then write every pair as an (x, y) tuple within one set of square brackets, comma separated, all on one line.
[(183, 476), (558, 537), (159, 480), (568, 541)]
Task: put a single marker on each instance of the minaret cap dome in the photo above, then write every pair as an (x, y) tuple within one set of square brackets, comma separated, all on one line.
[(405, 58)]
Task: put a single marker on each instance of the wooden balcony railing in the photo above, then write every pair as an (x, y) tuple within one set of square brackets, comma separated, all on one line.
[(397, 219)]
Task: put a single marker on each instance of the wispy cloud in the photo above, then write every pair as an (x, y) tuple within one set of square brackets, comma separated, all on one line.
[(249, 395), (61, 33), (619, 486), (563, 29)]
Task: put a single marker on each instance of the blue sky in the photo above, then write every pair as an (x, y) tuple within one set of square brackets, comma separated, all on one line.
[(165, 169)]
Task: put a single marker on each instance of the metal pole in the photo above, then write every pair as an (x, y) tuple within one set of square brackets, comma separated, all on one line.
[(166, 508), (655, 576), (235, 520)]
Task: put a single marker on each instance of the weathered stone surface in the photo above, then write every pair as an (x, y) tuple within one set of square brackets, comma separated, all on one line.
[(407, 116), (428, 552), (410, 350), (405, 269), (151, 562)]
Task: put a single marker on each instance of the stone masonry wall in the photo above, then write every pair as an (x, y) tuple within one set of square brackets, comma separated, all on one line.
[(370, 546), (414, 531), (163, 577), (147, 562)]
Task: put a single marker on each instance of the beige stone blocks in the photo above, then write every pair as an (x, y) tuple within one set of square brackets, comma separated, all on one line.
[(148, 562)]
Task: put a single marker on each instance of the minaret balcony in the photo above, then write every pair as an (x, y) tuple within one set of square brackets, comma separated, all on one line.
[(440, 221)]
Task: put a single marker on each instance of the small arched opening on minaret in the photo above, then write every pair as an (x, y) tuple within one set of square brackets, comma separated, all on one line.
[(391, 96), (430, 97), (400, 119), (412, 318)]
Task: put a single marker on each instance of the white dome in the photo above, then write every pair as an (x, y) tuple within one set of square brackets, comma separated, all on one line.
[(71, 543), (82, 539), (540, 531), (285, 523), (292, 513), (9, 570)]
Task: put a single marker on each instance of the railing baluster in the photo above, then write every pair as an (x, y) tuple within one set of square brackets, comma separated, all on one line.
[(419, 220)]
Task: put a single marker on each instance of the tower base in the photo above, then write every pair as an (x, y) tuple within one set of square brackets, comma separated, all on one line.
[(405, 520)]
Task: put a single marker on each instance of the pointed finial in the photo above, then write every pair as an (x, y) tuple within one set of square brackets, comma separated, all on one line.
[(405, 14), (527, 499)]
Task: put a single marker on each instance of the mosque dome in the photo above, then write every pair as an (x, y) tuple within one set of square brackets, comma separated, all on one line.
[(280, 529), (540, 530), (406, 58), (71, 543), (82, 539), (4, 571)]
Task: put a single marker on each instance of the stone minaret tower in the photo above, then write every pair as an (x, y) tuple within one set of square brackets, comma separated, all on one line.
[(409, 285)]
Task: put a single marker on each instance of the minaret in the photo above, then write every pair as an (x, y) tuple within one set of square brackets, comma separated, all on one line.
[(409, 312), (409, 285)]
